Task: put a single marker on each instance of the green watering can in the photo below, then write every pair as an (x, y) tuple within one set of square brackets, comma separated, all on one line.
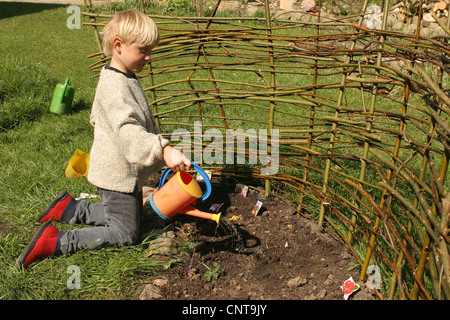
[(62, 98)]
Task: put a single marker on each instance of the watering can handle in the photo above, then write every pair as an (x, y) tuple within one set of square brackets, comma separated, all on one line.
[(66, 86), (199, 170)]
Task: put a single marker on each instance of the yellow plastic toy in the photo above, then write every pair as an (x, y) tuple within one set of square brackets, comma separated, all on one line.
[(78, 165)]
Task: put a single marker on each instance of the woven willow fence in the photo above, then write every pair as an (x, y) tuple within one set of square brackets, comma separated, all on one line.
[(360, 118)]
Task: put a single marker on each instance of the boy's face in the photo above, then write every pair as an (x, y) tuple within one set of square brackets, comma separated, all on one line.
[(130, 58)]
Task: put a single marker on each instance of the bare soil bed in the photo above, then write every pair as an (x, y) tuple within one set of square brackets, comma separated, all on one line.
[(275, 255)]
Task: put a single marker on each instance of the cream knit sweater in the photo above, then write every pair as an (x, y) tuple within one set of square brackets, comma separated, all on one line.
[(127, 146)]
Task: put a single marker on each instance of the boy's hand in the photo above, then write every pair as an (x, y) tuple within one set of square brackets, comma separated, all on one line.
[(175, 159)]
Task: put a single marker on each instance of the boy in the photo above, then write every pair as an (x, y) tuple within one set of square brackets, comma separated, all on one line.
[(126, 149)]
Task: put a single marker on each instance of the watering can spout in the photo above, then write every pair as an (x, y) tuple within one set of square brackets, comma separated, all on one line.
[(191, 211)]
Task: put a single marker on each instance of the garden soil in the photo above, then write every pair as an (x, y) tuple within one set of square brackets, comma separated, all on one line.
[(275, 255)]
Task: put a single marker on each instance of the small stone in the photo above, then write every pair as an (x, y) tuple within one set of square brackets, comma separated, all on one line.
[(321, 295), (297, 282), (170, 234), (160, 246), (150, 292), (160, 282), (308, 4)]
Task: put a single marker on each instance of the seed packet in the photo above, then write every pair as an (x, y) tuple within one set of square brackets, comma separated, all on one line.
[(349, 287), (256, 208), (242, 189), (199, 177)]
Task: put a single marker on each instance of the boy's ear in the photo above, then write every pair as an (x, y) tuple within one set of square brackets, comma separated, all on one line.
[(117, 45)]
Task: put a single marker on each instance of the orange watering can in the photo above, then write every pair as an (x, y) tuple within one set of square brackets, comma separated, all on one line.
[(179, 194)]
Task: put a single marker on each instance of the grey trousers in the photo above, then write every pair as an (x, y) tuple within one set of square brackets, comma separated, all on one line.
[(116, 222)]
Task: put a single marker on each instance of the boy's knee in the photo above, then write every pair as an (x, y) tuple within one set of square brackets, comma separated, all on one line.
[(128, 237)]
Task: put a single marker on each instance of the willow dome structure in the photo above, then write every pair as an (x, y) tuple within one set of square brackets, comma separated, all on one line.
[(354, 122)]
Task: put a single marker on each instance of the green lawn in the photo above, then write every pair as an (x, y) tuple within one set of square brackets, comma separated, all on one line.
[(36, 43)]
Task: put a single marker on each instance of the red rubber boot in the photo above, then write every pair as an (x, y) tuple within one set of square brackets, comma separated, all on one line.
[(61, 209), (45, 243)]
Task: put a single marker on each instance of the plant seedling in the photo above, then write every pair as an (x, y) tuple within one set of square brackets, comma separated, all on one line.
[(213, 273)]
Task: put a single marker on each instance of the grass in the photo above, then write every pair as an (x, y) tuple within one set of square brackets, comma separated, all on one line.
[(36, 148), (23, 97)]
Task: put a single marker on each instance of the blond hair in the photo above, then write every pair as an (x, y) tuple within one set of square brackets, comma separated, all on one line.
[(130, 26)]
